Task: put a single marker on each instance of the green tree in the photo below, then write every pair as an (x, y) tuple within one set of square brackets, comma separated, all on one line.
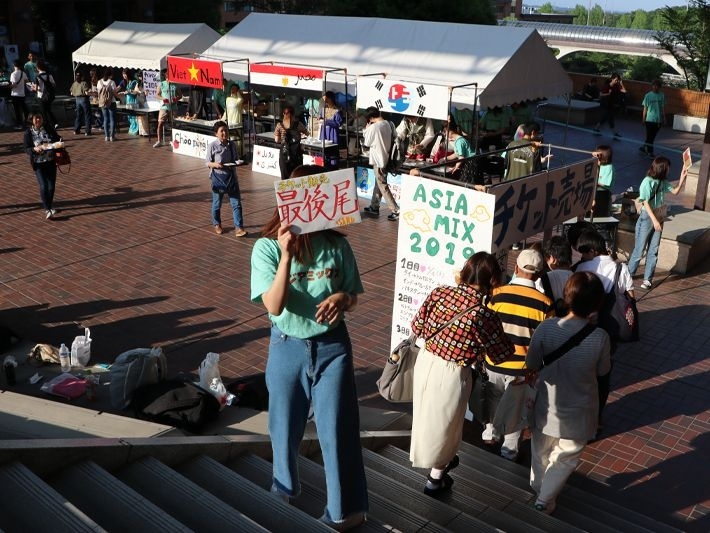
[(640, 20), (580, 14), (546, 8), (646, 69), (596, 16), (624, 21), (687, 40)]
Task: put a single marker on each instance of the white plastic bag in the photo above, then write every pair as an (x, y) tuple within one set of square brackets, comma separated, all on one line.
[(81, 349), (210, 379)]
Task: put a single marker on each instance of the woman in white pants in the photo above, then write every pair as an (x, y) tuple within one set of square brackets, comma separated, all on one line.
[(567, 402)]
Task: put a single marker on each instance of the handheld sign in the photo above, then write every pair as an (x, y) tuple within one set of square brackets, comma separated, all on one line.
[(319, 201), (687, 159)]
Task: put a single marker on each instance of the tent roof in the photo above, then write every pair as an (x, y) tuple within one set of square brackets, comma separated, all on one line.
[(508, 64), (144, 46)]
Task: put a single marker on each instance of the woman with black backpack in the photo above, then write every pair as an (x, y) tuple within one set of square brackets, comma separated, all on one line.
[(288, 134), (45, 87)]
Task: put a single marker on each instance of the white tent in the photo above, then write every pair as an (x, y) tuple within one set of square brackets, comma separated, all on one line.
[(144, 46), (508, 64)]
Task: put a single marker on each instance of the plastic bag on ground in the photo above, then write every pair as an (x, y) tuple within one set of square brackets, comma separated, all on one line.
[(66, 385), (211, 380), (81, 349)]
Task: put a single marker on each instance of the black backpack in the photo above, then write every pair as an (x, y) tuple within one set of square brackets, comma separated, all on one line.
[(48, 90), (176, 403)]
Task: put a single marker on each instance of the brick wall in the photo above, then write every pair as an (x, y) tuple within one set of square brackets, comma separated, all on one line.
[(678, 101)]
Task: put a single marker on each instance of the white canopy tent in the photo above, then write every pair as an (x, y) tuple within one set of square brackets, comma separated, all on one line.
[(144, 46), (507, 64)]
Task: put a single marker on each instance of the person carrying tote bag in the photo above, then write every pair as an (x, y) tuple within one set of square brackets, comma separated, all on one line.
[(442, 374), (650, 222)]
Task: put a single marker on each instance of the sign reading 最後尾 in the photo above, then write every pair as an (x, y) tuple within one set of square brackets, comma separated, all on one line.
[(404, 98), (307, 79), (440, 226), (319, 201), (198, 72)]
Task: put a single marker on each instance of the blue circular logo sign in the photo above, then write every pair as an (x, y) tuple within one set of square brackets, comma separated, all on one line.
[(398, 97)]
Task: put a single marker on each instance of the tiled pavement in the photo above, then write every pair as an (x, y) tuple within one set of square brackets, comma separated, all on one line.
[(132, 255)]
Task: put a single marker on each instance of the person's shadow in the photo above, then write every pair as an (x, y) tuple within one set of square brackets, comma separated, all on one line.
[(683, 482)]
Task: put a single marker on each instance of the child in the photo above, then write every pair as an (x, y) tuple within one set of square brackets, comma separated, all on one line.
[(605, 182)]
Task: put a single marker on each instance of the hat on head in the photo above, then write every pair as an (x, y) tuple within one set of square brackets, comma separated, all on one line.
[(530, 261)]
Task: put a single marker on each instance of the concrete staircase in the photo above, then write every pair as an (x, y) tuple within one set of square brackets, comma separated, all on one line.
[(221, 483)]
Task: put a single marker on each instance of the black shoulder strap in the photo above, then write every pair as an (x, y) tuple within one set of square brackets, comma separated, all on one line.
[(547, 286), (573, 341), (616, 278)]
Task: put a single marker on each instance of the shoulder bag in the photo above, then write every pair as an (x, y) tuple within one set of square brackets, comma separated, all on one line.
[(61, 158), (396, 384), (516, 406)]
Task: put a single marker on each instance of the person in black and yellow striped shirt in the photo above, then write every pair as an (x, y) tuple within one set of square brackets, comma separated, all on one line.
[(521, 308)]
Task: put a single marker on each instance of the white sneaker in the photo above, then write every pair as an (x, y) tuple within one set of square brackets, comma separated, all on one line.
[(646, 284), (240, 162), (54, 211), (158, 144), (48, 214), (349, 522)]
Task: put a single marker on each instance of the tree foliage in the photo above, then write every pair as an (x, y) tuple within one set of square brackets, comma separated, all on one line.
[(686, 39), (464, 11)]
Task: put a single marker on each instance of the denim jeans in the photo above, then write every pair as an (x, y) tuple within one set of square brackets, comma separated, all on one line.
[(83, 114), (46, 174), (645, 235), (235, 201), (317, 370), (109, 114)]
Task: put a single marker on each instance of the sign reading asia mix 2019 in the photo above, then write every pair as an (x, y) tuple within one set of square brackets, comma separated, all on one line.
[(441, 225)]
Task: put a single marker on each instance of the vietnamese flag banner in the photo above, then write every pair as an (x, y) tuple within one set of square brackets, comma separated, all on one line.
[(310, 79), (198, 72)]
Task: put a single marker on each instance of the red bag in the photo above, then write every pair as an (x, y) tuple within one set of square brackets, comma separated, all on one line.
[(61, 158)]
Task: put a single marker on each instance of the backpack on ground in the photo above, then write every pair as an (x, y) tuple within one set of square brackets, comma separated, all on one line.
[(134, 368), (396, 153), (48, 89), (176, 403)]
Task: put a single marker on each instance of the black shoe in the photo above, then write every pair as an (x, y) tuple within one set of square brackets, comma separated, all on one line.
[(435, 487), (393, 216), (371, 211), (452, 464)]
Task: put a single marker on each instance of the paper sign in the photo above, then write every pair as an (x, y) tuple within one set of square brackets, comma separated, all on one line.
[(318, 202), (529, 205), (440, 227), (266, 160), (403, 98), (198, 72), (151, 80), (687, 159), (191, 143), (307, 79)]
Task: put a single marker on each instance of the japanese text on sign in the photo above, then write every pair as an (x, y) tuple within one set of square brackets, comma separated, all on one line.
[(529, 205), (319, 201)]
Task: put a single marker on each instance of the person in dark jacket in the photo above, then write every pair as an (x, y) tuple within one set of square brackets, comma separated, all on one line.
[(39, 144)]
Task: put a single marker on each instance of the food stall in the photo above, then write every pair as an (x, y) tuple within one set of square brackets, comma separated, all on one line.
[(296, 79), (143, 46)]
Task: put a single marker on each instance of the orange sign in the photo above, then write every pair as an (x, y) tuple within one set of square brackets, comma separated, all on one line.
[(199, 72)]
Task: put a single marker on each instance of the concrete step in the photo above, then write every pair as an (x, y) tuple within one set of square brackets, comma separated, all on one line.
[(27, 503), (187, 502), (382, 508), (110, 502), (575, 505), (490, 506), (252, 500)]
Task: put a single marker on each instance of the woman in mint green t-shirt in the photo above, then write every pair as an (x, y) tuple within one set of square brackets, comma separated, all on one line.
[(307, 282)]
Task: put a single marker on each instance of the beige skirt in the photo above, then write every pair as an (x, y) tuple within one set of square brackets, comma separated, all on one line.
[(441, 392)]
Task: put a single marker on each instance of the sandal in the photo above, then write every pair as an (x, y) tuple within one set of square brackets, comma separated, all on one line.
[(434, 487)]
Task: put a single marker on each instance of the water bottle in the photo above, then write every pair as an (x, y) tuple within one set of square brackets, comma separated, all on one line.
[(64, 358)]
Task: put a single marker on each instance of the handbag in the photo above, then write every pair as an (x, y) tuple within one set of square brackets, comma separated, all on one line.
[(660, 212), (517, 405), (478, 401), (625, 313), (61, 158), (396, 384)]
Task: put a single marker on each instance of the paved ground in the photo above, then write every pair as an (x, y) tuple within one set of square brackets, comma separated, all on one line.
[(132, 255)]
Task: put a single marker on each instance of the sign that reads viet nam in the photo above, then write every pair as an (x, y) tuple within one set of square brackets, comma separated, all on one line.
[(440, 227), (404, 98), (318, 201), (529, 205), (309, 79), (198, 72)]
